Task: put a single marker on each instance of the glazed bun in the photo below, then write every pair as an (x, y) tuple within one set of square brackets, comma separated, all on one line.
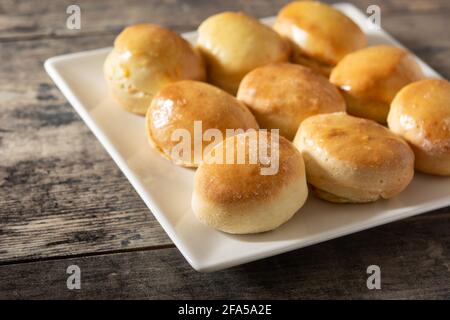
[(420, 113), (370, 78), (176, 108), (145, 58), (353, 160), (234, 44), (239, 199), (282, 95), (319, 34)]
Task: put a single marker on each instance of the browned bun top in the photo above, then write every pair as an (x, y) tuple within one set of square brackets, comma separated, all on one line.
[(421, 113), (377, 72), (282, 95), (234, 43), (145, 58), (319, 31), (162, 49), (236, 183), (354, 160), (356, 141), (180, 104)]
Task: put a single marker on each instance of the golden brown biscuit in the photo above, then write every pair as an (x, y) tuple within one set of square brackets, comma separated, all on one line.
[(237, 198), (420, 113), (145, 58), (319, 34), (351, 159), (234, 44), (369, 79), (282, 95), (175, 109)]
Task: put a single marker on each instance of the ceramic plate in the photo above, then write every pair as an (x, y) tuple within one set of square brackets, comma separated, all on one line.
[(166, 189)]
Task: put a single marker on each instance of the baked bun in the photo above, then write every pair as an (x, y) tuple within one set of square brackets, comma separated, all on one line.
[(234, 44), (319, 34), (354, 160), (370, 78), (282, 95), (145, 58), (420, 113), (238, 198), (177, 107)]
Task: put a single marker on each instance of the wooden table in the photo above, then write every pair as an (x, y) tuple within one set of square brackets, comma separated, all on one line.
[(63, 201)]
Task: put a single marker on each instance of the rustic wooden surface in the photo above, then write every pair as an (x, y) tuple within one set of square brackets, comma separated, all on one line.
[(63, 201)]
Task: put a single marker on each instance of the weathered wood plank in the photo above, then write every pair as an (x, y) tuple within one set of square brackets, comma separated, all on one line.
[(45, 18), (413, 256), (30, 19)]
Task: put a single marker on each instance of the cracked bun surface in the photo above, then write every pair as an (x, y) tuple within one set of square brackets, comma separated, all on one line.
[(239, 199), (353, 160), (173, 114), (420, 113), (145, 58), (282, 95), (370, 78), (233, 44), (320, 35)]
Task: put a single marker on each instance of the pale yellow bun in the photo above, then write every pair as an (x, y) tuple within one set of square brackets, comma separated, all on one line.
[(178, 105), (237, 198), (145, 58), (369, 79), (319, 34), (234, 44), (282, 95), (351, 159), (420, 113)]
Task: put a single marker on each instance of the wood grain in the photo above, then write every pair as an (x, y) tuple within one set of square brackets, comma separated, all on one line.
[(25, 19), (61, 195), (413, 256)]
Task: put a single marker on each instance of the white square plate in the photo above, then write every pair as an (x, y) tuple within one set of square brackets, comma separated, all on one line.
[(166, 188)]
